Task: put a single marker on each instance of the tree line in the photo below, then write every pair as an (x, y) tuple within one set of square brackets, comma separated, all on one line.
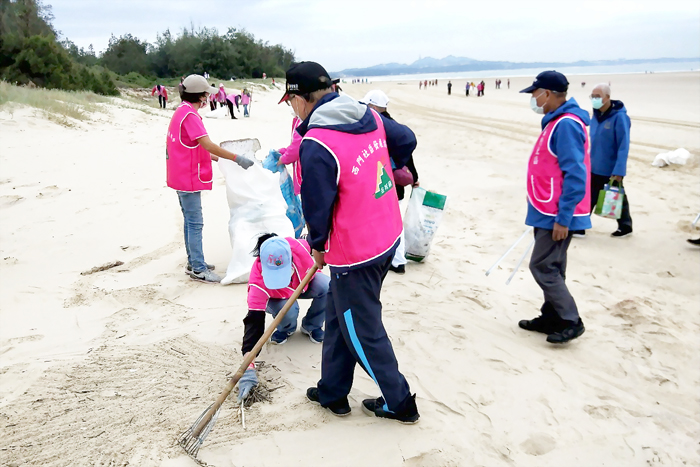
[(31, 50)]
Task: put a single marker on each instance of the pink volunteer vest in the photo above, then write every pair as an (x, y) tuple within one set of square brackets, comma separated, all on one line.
[(366, 218), (545, 178), (188, 168)]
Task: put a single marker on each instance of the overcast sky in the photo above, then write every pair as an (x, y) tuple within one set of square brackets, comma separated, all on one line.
[(360, 33)]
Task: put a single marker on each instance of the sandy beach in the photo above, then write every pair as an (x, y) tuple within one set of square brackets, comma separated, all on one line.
[(108, 368)]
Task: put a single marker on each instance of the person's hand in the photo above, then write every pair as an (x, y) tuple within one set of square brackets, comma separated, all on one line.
[(279, 162), (214, 157), (243, 161), (246, 384), (617, 178), (319, 258), (416, 185), (559, 232)]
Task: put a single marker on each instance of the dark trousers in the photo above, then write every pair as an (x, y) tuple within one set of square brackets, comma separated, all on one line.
[(162, 101), (598, 183), (230, 109), (548, 267), (355, 334), (467, 92), (449, 91), (212, 105)]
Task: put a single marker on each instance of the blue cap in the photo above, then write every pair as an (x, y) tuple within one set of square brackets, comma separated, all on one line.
[(549, 80), (276, 261)]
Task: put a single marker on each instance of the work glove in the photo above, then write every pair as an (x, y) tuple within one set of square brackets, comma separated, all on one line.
[(243, 161), (246, 384)]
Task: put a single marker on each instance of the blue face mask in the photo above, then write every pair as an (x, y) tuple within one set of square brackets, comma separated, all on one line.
[(596, 102)]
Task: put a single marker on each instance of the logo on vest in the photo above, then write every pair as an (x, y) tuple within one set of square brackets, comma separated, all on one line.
[(384, 183)]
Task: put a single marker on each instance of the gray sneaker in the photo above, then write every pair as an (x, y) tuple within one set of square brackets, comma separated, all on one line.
[(205, 276)]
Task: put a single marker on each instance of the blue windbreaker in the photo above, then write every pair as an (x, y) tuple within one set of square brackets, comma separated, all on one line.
[(567, 143), (610, 140)]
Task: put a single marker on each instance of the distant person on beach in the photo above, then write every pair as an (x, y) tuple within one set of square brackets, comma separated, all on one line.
[(188, 156), (420, 84), (212, 99), (378, 100), (245, 100), (162, 95), (558, 196), (449, 88), (354, 225), (508, 83), (230, 102), (610, 144), (468, 86), (221, 95), (480, 89), (425, 84)]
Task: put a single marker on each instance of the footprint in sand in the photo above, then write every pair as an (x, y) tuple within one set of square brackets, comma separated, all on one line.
[(538, 444)]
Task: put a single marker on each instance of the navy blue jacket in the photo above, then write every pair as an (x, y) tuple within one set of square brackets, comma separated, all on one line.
[(319, 169), (610, 140), (567, 143)]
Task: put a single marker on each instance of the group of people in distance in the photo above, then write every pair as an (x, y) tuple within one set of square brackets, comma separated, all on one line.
[(344, 153)]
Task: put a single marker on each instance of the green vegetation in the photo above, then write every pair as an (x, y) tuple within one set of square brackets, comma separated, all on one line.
[(31, 53)]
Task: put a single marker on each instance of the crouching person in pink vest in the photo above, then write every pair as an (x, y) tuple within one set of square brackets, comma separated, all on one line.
[(558, 193), (352, 211), (188, 156), (280, 266)]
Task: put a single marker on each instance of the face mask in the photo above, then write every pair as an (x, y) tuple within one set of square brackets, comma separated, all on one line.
[(536, 108), (596, 102)]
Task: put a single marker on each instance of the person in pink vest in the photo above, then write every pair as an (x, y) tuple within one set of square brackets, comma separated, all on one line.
[(245, 100), (188, 156), (352, 212), (221, 95), (558, 194), (162, 94), (290, 155), (230, 102), (279, 267)]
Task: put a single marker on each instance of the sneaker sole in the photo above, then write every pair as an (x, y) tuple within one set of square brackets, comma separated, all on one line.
[(277, 343), (569, 340), (305, 332), (327, 409), (372, 414), (194, 278)]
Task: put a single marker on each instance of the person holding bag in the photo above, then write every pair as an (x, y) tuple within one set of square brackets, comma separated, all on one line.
[(188, 156)]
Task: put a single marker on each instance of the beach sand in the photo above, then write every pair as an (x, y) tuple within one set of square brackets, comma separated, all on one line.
[(109, 368)]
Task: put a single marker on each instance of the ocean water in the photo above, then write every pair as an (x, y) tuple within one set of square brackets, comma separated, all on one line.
[(656, 67)]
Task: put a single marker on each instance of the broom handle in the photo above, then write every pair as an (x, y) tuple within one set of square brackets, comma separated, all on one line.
[(250, 356)]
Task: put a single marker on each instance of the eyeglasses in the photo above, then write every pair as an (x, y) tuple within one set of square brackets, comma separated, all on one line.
[(593, 96)]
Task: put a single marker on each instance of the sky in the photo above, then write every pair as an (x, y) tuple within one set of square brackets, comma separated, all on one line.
[(361, 33)]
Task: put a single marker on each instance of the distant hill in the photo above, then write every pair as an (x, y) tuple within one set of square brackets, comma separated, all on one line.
[(458, 64)]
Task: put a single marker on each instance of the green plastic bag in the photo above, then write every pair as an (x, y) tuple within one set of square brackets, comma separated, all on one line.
[(610, 201)]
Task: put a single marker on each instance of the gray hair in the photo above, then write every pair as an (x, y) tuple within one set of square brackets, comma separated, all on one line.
[(604, 88)]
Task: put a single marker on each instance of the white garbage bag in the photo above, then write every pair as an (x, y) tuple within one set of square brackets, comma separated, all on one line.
[(423, 217), (679, 157), (257, 207), (220, 112)]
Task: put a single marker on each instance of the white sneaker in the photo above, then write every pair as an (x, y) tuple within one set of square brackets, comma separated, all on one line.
[(207, 276)]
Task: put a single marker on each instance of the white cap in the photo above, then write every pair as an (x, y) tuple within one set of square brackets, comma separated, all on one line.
[(196, 83), (376, 97)]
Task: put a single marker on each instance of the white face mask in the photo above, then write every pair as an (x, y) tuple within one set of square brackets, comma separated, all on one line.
[(536, 108)]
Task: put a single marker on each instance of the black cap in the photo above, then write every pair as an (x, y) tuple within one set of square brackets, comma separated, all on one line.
[(305, 77), (549, 80)]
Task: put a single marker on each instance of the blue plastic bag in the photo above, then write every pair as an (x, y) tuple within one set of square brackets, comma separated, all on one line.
[(294, 212)]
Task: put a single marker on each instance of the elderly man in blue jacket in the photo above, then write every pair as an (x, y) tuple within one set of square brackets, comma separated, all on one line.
[(610, 145), (558, 201)]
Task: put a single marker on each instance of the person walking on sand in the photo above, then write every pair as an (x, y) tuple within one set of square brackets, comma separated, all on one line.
[(558, 194), (508, 83), (468, 88), (610, 145), (354, 224), (449, 88), (212, 99), (188, 156), (162, 95), (230, 100)]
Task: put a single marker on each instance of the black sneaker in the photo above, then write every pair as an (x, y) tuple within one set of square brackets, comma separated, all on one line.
[(543, 324), (621, 233), (578, 233), (400, 269), (339, 408), (409, 415), (694, 241), (571, 331)]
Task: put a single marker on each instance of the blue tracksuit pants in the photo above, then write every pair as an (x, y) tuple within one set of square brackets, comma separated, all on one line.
[(355, 334)]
